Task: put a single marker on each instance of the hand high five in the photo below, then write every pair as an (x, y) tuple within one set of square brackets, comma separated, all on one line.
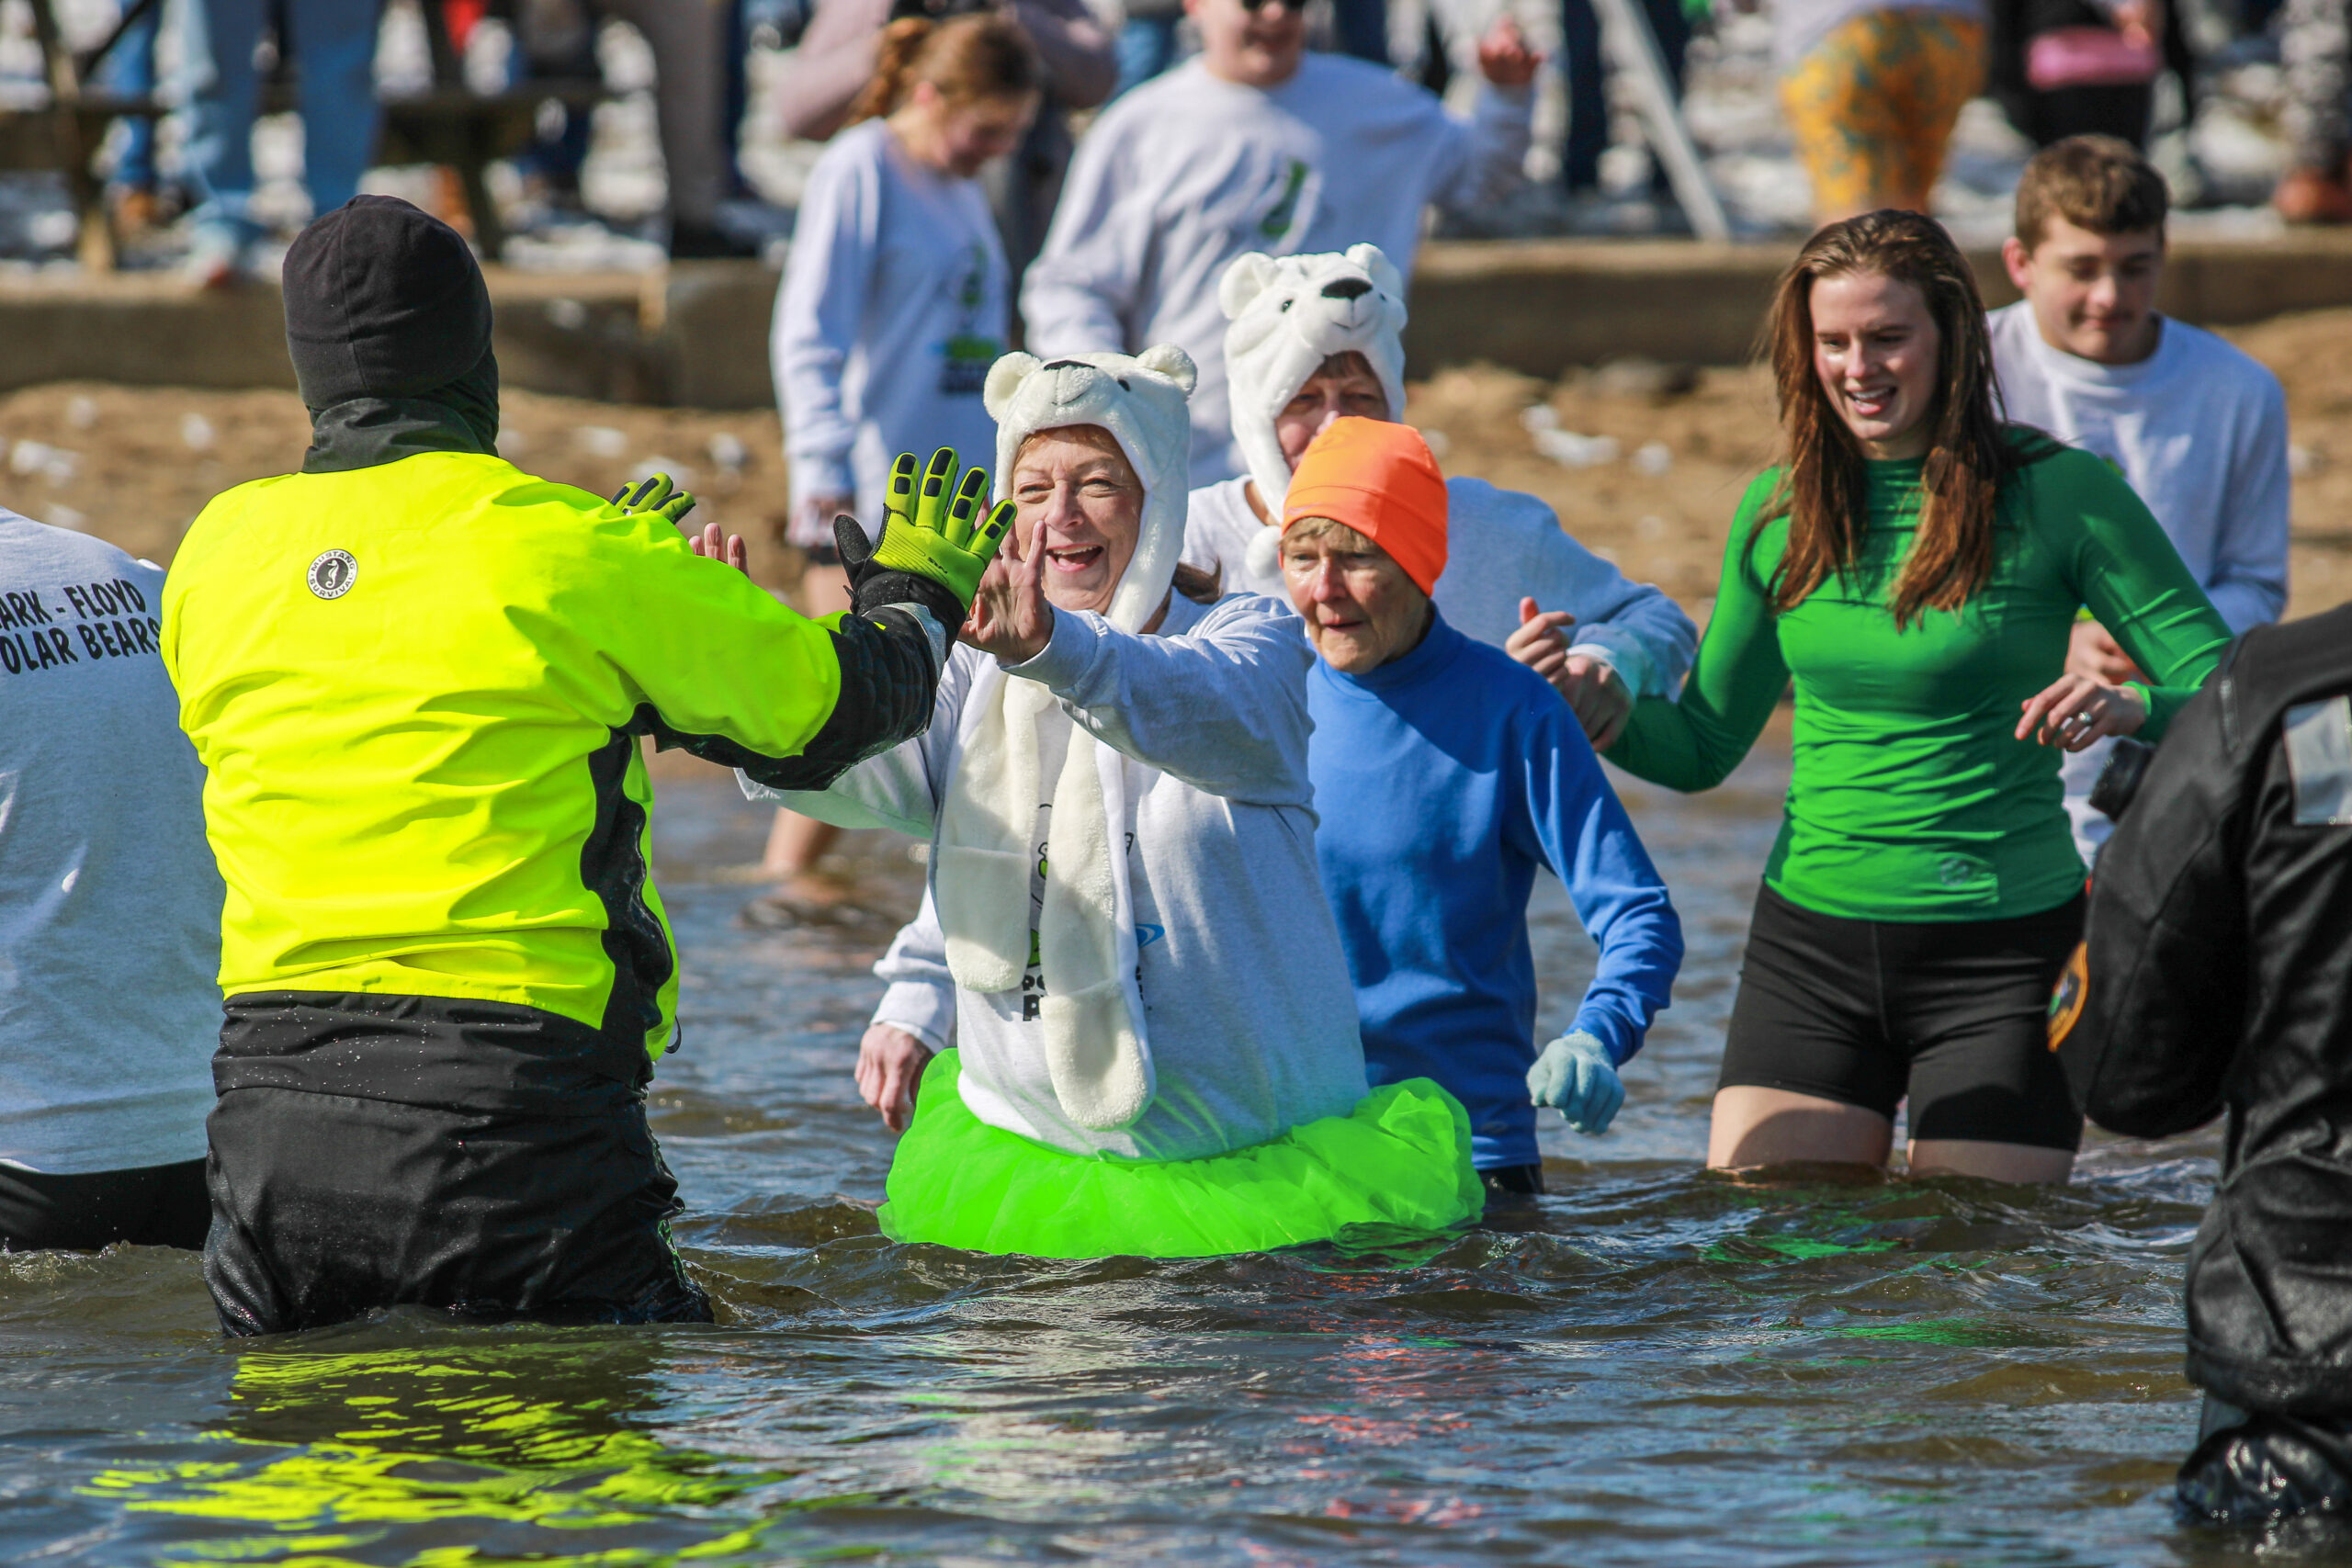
[(1010, 616)]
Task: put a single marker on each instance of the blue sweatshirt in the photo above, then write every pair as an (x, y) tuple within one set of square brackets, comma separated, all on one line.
[(1442, 780)]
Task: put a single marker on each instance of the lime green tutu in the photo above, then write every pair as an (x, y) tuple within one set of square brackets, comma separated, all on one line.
[(1401, 1158)]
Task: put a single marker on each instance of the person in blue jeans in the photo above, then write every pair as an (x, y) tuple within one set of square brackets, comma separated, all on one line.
[(333, 43), (1582, 66), (130, 69), (1444, 774)]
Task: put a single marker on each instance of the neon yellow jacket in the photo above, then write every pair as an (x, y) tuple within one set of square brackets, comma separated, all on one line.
[(425, 776)]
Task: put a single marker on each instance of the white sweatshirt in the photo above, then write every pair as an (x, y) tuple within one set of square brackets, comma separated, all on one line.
[(2198, 429), (109, 900), (1188, 171), (1250, 1014), (1500, 544), (894, 305)]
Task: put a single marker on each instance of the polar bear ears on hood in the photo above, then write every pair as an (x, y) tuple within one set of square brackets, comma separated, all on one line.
[(1251, 275), (1141, 401), (1011, 371), (1289, 315)]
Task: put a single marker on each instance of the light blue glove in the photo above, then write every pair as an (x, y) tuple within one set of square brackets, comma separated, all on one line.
[(1576, 1075)]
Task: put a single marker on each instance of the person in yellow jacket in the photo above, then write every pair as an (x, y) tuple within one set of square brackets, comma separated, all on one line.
[(417, 678)]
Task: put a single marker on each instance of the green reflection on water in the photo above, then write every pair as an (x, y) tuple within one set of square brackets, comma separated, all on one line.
[(447, 1453), (1947, 1332)]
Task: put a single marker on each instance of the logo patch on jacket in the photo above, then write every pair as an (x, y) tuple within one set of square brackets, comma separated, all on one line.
[(331, 575)]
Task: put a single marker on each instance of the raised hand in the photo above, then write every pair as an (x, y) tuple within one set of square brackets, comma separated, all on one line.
[(1010, 617), (935, 543), (733, 551), (655, 493), (1504, 58)]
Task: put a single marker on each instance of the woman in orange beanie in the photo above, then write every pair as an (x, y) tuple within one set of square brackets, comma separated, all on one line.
[(1445, 772)]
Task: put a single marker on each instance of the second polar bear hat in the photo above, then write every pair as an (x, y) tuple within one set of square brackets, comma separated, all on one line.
[(1288, 316), (1141, 401)]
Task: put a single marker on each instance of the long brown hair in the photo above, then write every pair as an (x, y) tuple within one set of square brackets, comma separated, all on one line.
[(975, 56), (1822, 487)]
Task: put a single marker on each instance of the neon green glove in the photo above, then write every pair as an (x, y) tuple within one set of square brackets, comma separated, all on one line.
[(935, 545), (655, 493)]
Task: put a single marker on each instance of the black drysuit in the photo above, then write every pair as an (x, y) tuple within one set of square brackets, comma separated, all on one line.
[(2217, 977)]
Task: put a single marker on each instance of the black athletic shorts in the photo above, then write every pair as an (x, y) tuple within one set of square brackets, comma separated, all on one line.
[(1953, 1013), (149, 1205)]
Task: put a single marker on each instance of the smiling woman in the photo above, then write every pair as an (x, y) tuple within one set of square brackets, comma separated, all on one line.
[(1916, 566), (1115, 789)]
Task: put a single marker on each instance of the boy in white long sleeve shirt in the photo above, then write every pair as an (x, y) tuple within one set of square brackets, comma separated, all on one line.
[(1255, 145), (2197, 427)]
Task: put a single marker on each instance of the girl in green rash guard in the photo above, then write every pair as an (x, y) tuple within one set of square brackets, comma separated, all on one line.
[(1916, 566)]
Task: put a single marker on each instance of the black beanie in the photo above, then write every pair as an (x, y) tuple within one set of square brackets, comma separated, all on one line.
[(382, 301)]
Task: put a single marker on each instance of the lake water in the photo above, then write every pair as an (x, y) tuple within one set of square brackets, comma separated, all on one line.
[(1654, 1366)]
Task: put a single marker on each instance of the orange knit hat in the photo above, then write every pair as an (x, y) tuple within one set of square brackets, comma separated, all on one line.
[(1379, 480)]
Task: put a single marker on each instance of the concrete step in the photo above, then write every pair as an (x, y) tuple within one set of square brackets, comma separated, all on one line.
[(697, 335)]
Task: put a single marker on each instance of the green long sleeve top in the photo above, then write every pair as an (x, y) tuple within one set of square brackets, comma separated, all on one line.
[(1911, 797)]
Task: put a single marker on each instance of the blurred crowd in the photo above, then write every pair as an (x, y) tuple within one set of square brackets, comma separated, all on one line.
[(1869, 91)]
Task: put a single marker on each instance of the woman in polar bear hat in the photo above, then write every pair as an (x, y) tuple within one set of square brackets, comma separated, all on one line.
[(1158, 1041), (1315, 338)]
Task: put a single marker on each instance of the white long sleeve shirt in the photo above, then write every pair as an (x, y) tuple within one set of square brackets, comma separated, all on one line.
[(1501, 544), (2198, 429), (894, 305), (1247, 1004), (1188, 171)]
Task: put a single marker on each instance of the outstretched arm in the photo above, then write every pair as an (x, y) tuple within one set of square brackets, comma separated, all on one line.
[(1694, 741), (1492, 159)]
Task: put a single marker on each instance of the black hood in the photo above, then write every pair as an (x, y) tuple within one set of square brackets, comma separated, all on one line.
[(388, 322)]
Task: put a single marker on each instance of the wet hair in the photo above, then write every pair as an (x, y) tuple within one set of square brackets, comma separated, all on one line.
[(1823, 486), (973, 58), (2099, 183), (1200, 587)]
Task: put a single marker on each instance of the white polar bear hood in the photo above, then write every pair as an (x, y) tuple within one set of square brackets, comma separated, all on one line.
[(1141, 401), (1098, 1053), (1289, 316)]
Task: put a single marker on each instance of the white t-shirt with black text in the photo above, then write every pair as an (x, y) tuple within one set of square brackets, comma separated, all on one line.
[(109, 900)]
